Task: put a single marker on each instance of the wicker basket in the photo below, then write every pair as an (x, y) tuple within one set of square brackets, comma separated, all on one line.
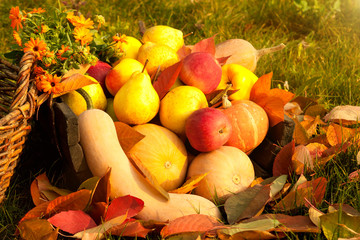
[(17, 106)]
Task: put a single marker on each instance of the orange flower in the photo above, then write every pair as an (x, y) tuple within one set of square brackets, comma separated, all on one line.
[(16, 18), (80, 21), (121, 39), (38, 71), (61, 51), (37, 46), (39, 10), (17, 37), (83, 35), (50, 84), (44, 28)]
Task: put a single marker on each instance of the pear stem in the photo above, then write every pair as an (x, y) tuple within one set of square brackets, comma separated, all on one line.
[(86, 96), (220, 94), (264, 51), (146, 62)]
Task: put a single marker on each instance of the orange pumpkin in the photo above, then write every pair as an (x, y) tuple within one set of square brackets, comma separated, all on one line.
[(250, 124)]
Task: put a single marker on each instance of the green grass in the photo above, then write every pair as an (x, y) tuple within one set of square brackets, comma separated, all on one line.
[(321, 60)]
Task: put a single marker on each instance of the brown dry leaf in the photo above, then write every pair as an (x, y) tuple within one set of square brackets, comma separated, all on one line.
[(337, 134), (130, 228), (301, 159), (74, 82), (316, 110), (292, 109), (346, 114), (311, 124), (316, 150), (354, 176), (304, 102), (313, 191), (300, 134), (190, 184), (36, 228), (345, 208), (127, 136), (42, 190), (253, 235)]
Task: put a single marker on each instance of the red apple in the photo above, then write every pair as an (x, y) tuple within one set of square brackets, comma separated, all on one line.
[(201, 70), (99, 72), (207, 129)]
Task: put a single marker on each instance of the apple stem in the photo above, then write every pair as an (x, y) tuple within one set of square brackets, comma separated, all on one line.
[(220, 95)]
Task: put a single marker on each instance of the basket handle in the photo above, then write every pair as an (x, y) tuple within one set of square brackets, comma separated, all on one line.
[(23, 80)]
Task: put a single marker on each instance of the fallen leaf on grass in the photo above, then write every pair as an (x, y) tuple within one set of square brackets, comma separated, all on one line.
[(346, 114), (36, 228), (194, 223), (345, 208), (249, 229), (127, 136), (72, 221), (337, 134), (247, 203), (190, 184), (42, 190), (130, 228), (125, 205), (282, 161), (313, 191), (339, 224), (74, 201)]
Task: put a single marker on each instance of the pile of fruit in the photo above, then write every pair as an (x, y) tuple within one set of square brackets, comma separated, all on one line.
[(192, 107)]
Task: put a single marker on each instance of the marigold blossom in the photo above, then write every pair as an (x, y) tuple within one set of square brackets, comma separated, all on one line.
[(17, 38), (51, 84), (80, 21), (37, 46), (82, 35), (16, 18), (61, 51)]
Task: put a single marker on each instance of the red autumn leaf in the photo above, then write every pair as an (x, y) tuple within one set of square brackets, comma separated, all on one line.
[(72, 221), (190, 223), (127, 136), (130, 228), (318, 187), (36, 228), (128, 205), (354, 176), (282, 162), (222, 60), (205, 45), (74, 82), (167, 78)]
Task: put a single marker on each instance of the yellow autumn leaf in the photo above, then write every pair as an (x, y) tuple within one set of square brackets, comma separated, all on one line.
[(190, 184)]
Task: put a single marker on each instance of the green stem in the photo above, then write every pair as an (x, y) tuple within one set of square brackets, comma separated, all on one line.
[(85, 95)]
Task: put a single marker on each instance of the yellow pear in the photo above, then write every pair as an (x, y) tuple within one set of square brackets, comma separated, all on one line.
[(136, 102), (166, 35), (158, 55)]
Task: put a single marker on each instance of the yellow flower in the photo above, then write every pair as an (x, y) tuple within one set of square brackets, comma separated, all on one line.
[(80, 21), (44, 28), (37, 46), (51, 84), (17, 38), (83, 35), (16, 18), (119, 39)]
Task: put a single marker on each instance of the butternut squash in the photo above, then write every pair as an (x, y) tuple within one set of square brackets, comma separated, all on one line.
[(102, 151)]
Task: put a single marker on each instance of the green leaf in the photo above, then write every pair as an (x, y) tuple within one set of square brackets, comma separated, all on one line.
[(258, 225), (339, 224), (247, 203), (276, 184)]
